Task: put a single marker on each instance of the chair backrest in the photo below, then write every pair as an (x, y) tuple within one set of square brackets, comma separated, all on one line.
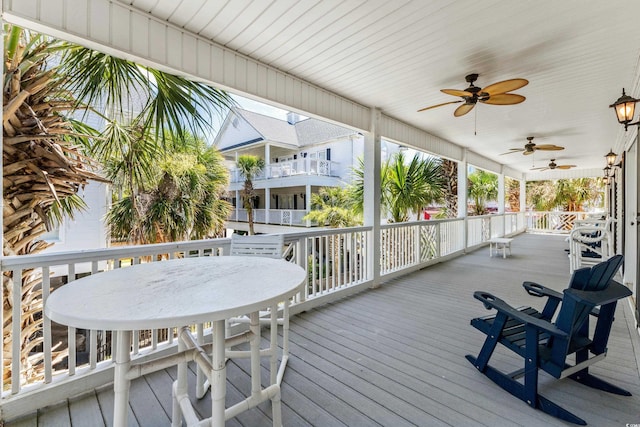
[(597, 277), (263, 245), (575, 311), (589, 288)]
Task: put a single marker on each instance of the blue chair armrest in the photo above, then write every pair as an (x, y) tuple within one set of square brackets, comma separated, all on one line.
[(492, 302), (538, 290)]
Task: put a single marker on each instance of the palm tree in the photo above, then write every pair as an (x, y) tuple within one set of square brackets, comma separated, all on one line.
[(450, 187), (182, 201), (331, 205), (573, 194), (513, 194), (570, 195), (249, 166), (405, 188), (45, 150), (541, 195), (483, 186)]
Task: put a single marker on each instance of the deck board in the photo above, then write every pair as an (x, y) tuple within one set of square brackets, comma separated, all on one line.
[(394, 356)]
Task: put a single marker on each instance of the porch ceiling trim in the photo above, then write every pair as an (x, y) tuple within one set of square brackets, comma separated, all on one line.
[(480, 161), (121, 30), (564, 174), (116, 29), (402, 133)]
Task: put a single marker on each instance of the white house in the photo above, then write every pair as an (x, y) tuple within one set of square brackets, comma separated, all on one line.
[(301, 156)]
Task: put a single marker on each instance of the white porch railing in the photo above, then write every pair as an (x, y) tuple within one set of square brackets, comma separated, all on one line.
[(556, 222), (337, 262), (284, 169), (276, 216)]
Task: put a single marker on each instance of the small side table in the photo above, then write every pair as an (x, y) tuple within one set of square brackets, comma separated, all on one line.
[(498, 243)]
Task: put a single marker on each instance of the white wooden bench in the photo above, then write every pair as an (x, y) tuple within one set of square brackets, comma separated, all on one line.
[(498, 243)]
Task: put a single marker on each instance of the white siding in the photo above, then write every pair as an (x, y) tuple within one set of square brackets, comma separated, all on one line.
[(235, 130), (87, 230), (482, 162), (402, 133)]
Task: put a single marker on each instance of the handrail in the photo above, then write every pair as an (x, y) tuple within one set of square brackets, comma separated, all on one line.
[(336, 260)]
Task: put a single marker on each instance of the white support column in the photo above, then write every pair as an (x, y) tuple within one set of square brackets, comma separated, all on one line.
[(307, 201), (238, 204), (462, 195), (501, 201), (372, 163), (267, 204), (462, 185), (501, 198), (523, 195)]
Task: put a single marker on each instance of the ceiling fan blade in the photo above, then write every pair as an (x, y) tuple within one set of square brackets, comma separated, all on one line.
[(505, 86), (548, 147), (504, 99), (526, 153), (542, 168), (463, 109), (439, 105), (565, 166), (512, 150), (456, 92)]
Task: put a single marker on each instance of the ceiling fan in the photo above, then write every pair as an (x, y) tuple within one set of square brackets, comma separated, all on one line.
[(531, 147), (552, 165), (495, 94)]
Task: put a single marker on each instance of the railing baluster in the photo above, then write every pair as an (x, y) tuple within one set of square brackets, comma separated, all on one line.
[(46, 326), (71, 331), (16, 330), (93, 334)]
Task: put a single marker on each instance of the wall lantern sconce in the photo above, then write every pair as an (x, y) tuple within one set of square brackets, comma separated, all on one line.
[(606, 171), (625, 107), (611, 158)]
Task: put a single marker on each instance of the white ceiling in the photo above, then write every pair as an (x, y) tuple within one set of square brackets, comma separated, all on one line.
[(396, 55)]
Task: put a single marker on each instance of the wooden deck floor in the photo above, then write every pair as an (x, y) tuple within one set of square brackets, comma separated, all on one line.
[(394, 356)]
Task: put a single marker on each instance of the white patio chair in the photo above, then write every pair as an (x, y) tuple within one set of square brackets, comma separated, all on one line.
[(589, 245), (270, 246)]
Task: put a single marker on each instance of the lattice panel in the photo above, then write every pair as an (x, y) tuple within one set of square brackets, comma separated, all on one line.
[(564, 222), (285, 218), (428, 243)]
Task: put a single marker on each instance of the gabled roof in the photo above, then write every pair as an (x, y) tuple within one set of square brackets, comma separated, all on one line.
[(270, 128), (313, 131), (305, 132)]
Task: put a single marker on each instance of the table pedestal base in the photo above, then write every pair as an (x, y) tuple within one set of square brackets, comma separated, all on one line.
[(215, 370)]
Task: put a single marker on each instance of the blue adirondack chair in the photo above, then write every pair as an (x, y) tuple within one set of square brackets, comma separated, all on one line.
[(544, 344)]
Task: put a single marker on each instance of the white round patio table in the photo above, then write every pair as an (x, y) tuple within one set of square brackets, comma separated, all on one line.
[(169, 294)]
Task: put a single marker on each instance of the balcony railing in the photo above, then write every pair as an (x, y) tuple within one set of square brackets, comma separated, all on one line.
[(271, 216), (296, 167), (44, 367), (556, 222)]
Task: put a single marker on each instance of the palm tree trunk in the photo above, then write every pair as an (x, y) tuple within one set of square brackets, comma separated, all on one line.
[(41, 169), (450, 172)]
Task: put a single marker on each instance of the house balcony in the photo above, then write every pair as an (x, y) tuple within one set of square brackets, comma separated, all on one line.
[(302, 172), (293, 217), (393, 355)]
